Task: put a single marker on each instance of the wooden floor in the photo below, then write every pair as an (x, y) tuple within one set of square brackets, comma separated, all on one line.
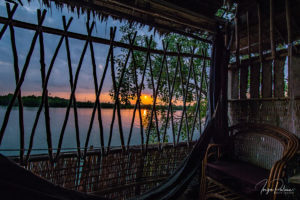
[(217, 191), (214, 191)]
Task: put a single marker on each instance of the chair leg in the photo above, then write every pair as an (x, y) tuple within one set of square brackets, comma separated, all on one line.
[(203, 182)]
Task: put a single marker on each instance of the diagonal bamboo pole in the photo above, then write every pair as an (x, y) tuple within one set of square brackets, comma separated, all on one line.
[(116, 95), (170, 107), (112, 37), (44, 91), (89, 30), (98, 102), (21, 80), (71, 85), (184, 94), (155, 91), (198, 105), (10, 15), (139, 91), (16, 70)]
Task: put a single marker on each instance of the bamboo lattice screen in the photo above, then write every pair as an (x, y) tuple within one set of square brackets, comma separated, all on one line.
[(96, 169)]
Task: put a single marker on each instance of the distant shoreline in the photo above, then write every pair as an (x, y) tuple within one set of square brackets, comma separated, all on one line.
[(57, 102)]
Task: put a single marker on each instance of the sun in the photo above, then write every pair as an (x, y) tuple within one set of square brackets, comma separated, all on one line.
[(146, 99)]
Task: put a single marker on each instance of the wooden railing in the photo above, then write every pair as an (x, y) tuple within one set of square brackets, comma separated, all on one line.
[(118, 175), (190, 78)]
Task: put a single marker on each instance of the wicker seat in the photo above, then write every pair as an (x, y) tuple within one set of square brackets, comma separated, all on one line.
[(255, 159)]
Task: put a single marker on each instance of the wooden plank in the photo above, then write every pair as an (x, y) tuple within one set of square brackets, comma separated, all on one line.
[(273, 47), (266, 82), (279, 77), (260, 32), (267, 56), (295, 76), (234, 76), (237, 38), (254, 80), (234, 79), (244, 69), (248, 35)]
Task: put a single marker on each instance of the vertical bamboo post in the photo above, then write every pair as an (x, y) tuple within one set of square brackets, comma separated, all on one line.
[(289, 31), (272, 40), (293, 70), (266, 88), (248, 37), (249, 49), (237, 38), (259, 32), (234, 73), (17, 72), (267, 66), (244, 68), (260, 45), (273, 47), (22, 78)]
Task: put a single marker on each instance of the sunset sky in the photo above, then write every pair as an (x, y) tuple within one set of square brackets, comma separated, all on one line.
[(59, 79)]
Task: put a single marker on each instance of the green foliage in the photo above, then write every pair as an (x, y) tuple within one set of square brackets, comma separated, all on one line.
[(128, 88), (174, 43)]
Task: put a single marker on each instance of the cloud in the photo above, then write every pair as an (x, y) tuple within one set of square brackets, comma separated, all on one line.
[(32, 7), (59, 78), (100, 66), (50, 20), (5, 64)]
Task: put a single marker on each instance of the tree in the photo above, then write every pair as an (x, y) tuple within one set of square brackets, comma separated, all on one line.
[(174, 42)]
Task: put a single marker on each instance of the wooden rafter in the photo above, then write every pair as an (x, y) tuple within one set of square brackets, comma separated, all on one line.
[(163, 15)]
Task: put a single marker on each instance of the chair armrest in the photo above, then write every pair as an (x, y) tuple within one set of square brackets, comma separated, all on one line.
[(276, 173), (213, 149), (208, 154)]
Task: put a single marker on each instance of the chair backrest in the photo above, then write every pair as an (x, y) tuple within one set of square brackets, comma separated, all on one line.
[(260, 144)]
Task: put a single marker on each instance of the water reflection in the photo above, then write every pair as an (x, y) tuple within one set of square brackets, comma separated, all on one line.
[(57, 115), (144, 113)]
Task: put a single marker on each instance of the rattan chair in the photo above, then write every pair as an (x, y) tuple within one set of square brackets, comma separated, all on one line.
[(256, 152)]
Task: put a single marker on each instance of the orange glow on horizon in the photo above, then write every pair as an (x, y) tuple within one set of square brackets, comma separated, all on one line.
[(146, 99), (82, 96)]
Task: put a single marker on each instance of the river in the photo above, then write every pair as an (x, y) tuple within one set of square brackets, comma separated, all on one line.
[(12, 134)]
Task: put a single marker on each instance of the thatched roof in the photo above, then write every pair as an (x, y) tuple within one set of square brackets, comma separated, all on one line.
[(194, 17), (185, 17)]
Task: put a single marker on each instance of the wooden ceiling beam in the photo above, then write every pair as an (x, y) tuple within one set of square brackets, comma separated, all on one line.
[(167, 12), (183, 11), (183, 20)]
